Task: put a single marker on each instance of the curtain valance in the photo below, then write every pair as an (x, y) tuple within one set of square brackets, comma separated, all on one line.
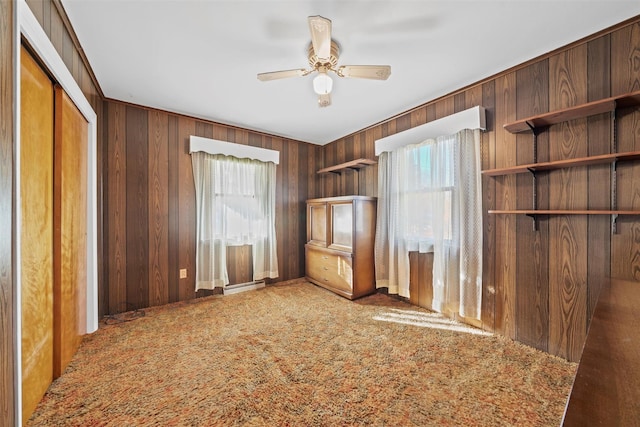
[(472, 118), (240, 151)]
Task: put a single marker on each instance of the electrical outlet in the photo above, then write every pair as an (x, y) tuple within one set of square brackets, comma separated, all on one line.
[(183, 273)]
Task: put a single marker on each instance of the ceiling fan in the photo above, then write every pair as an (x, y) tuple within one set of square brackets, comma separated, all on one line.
[(323, 57)]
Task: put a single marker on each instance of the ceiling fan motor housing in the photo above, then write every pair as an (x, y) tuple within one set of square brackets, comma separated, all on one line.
[(330, 64)]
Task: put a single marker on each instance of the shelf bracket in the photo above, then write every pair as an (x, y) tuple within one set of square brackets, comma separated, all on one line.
[(614, 133), (534, 217), (614, 195), (614, 173), (535, 131), (535, 189)]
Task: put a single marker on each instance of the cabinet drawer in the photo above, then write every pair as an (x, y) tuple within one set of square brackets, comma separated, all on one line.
[(330, 269)]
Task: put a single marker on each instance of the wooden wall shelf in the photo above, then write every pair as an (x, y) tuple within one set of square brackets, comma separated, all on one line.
[(352, 165), (539, 122), (558, 164), (577, 112), (564, 212)]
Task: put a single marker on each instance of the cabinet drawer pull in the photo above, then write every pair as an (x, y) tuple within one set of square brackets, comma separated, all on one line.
[(326, 268), (325, 257)]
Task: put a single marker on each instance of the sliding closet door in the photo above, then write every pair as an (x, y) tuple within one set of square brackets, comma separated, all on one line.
[(70, 225), (36, 193), (53, 191)]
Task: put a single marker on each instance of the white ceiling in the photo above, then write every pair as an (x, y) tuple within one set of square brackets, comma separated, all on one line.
[(200, 58)]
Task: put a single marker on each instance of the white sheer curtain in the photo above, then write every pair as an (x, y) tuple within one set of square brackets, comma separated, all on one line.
[(235, 202), (430, 200)]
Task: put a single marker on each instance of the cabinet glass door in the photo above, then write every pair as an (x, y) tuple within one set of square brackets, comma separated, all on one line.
[(342, 226), (317, 224)]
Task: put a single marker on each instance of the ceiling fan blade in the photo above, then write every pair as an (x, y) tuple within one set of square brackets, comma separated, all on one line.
[(275, 75), (324, 100), (375, 72), (320, 29)]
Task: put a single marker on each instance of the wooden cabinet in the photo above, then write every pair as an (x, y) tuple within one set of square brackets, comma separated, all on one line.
[(340, 239)]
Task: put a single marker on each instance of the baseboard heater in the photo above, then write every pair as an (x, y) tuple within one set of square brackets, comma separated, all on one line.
[(242, 287)]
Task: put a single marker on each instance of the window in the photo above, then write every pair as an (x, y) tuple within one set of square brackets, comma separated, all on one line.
[(237, 217), (429, 184), (430, 200), (235, 205)]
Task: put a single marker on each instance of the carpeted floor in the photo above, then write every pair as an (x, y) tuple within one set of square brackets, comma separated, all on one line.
[(299, 355)]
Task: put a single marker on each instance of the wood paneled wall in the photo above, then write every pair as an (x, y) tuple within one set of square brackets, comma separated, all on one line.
[(53, 20), (540, 287), (240, 270), (7, 292), (149, 199)]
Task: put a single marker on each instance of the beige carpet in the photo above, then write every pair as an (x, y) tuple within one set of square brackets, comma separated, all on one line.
[(299, 355)]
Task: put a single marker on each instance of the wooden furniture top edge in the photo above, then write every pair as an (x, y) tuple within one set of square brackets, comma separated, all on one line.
[(329, 250), (576, 112), (606, 389), (341, 199), (353, 164), (565, 212), (557, 164)]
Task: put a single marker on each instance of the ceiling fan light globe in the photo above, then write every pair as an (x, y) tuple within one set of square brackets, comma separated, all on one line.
[(322, 84)]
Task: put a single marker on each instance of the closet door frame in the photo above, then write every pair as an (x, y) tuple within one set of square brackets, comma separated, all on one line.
[(42, 48)]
